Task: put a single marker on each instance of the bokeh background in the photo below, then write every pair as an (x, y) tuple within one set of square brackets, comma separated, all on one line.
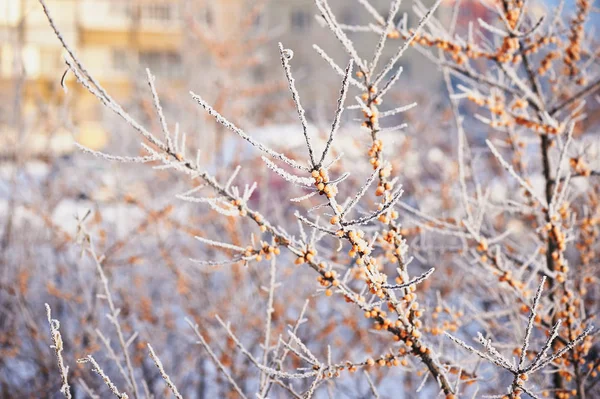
[(226, 50)]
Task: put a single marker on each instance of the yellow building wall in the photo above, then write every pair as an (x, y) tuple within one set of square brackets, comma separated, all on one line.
[(9, 12), (94, 28), (142, 40), (97, 30)]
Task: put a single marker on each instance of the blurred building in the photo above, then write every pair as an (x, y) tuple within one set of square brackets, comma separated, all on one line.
[(300, 29), (117, 39), (112, 37)]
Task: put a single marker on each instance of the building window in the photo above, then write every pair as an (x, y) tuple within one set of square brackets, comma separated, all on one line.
[(153, 12), (119, 60), (258, 21), (300, 20), (158, 12), (206, 15), (120, 9), (350, 17), (258, 73), (166, 64)]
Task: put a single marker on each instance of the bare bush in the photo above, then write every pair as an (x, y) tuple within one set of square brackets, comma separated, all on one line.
[(414, 251)]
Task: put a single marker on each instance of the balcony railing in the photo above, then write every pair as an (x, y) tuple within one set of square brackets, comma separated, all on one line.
[(120, 15)]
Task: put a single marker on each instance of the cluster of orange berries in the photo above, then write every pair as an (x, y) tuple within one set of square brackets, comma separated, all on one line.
[(376, 281), (260, 221), (375, 153), (240, 206), (394, 241), (479, 100), (386, 361), (394, 34), (509, 46), (557, 237), (564, 212), (266, 250), (415, 312), (512, 13), (564, 373), (361, 251), (531, 354), (535, 126), (497, 107), (410, 295), (328, 279), (506, 53), (407, 335), (388, 217), (179, 156), (371, 114), (332, 372), (507, 277), (482, 246), (447, 325), (540, 41), (382, 188), (358, 299), (382, 322), (460, 54), (570, 306), (589, 228), (582, 350), (360, 246), (440, 330), (482, 249), (587, 280), (495, 103), (360, 273), (505, 122), (371, 117), (569, 312), (308, 256), (546, 62), (564, 394), (518, 103), (386, 171), (375, 312), (322, 183), (580, 167), (371, 90), (401, 333), (517, 156), (594, 371), (573, 51)]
